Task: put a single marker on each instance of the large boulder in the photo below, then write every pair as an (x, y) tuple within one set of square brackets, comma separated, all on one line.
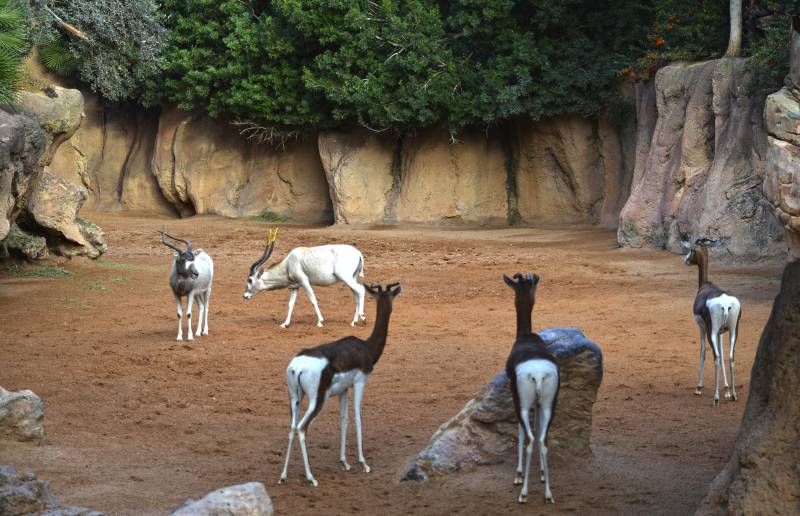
[(22, 144), (53, 210), (59, 112), (24, 494), (485, 431), (763, 475), (249, 499), (19, 244), (21, 416), (703, 170)]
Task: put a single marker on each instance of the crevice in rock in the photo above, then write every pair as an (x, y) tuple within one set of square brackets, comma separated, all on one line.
[(510, 146)]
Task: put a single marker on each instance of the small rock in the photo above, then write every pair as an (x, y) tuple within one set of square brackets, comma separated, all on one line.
[(249, 499), (21, 416), (24, 494)]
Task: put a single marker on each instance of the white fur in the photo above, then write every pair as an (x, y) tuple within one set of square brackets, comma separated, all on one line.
[(200, 293), (724, 311), (303, 378), (537, 385), (306, 266)]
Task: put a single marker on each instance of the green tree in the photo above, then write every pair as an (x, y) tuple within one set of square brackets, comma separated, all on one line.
[(14, 22)]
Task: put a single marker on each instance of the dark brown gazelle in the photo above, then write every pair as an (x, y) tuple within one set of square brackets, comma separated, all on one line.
[(715, 312), (534, 380), (191, 277), (331, 370)]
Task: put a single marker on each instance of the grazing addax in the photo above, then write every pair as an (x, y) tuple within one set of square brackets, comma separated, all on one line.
[(191, 277), (331, 370), (533, 374), (305, 266), (715, 312)]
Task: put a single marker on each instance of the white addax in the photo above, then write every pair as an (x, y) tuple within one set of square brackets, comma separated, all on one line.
[(191, 277), (306, 266)]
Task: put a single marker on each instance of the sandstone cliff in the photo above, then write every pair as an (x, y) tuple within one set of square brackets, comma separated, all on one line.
[(700, 163)]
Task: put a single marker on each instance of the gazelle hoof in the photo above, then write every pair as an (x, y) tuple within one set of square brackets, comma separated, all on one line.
[(353, 323), (716, 402), (319, 324), (281, 480), (179, 338), (522, 498), (366, 468), (284, 325), (541, 477), (518, 479), (549, 499), (733, 396), (345, 465), (313, 482), (727, 394), (698, 391)]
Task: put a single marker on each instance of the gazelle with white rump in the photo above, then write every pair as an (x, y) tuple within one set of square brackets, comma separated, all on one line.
[(715, 312), (305, 266), (191, 277), (533, 374), (331, 370)]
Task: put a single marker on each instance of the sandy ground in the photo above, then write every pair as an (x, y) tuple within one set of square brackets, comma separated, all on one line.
[(137, 422)]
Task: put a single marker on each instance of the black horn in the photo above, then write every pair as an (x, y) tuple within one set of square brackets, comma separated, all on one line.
[(164, 236), (271, 239)]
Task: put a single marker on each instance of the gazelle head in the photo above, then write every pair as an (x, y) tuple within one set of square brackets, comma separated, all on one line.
[(184, 258), (697, 252), (253, 283), (524, 287), (388, 293)]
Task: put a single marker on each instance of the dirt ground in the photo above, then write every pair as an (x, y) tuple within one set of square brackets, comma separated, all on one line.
[(136, 422)]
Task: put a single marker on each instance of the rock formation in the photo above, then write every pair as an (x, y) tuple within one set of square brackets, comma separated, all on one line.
[(21, 416), (763, 474), (249, 499), (24, 494), (699, 166), (782, 120), (22, 145), (485, 431)]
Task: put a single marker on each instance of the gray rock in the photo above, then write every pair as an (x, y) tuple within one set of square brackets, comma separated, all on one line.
[(18, 243), (21, 416), (24, 494), (53, 210), (249, 499), (485, 431), (22, 144)]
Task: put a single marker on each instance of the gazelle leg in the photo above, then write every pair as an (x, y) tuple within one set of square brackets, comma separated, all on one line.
[(343, 427), (721, 344), (301, 433), (544, 420), (180, 318), (520, 446), (294, 405), (358, 292), (207, 301), (733, 347), (524, 415), (313, 299), (292, 299), (358, 396), (717, 362), (699, 390), (189, 304)]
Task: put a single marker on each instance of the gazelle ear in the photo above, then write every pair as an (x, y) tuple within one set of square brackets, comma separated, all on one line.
[(535, 283), (372, 291), (685, 245), (511, 283)]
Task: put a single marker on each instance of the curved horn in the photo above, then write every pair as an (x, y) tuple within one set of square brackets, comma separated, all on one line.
[(187, 242), (271, 239), (164, 240), (390, 286)]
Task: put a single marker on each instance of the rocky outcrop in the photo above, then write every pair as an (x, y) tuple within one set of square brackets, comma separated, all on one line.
[(24, 494), (53, 210), (22, 144), (485, 431), (19, 244), (702, 171), (565, 170), (249, 499), (782, 120), (21, 416), (57, 110), (762, 475)]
